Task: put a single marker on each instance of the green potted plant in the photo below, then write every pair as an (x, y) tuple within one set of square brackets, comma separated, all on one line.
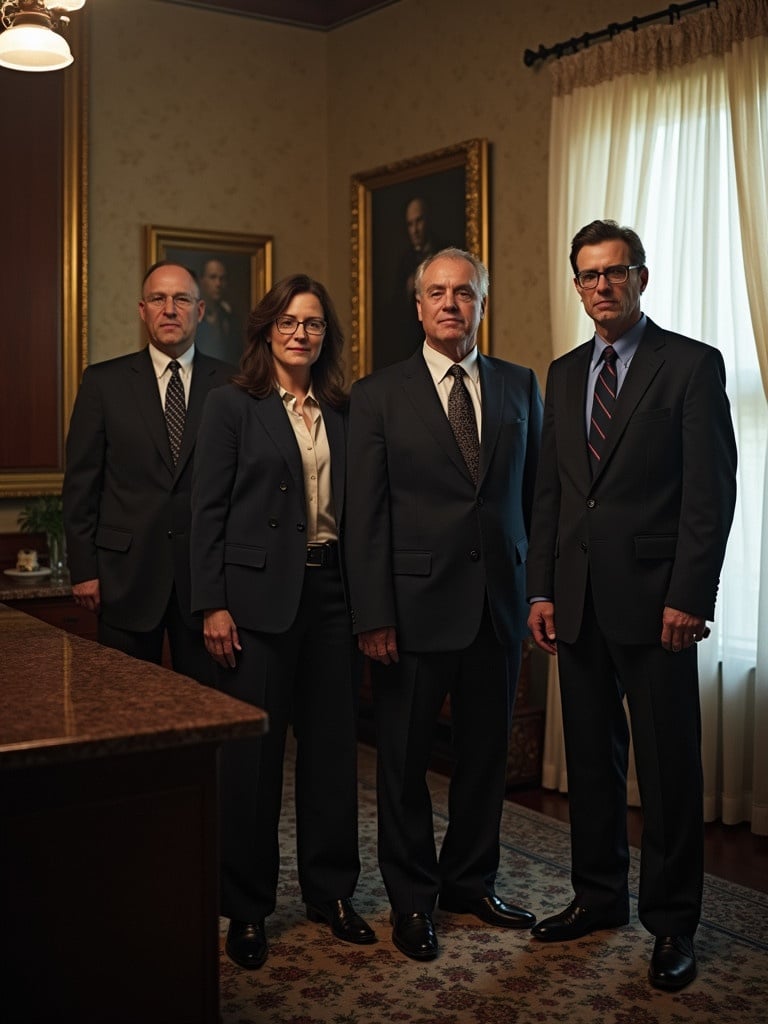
[(44, 515)]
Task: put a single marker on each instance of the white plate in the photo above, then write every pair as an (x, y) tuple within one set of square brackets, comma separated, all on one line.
[(20, 574)]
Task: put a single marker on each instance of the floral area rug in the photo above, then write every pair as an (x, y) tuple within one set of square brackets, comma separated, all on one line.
[(486, 975)]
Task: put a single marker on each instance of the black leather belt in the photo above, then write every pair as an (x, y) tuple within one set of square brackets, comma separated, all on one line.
[(323, 555)]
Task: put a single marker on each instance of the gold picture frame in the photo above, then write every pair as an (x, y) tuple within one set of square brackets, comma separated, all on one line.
[(44, 343), (438, 199), (247, 261)]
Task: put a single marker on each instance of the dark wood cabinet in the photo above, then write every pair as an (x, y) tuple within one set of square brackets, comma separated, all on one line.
[(61, 612)]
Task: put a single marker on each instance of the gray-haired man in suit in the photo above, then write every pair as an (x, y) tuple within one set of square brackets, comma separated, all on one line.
[(436, 538)]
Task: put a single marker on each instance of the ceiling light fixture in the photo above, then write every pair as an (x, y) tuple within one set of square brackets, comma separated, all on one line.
[(31, 40)]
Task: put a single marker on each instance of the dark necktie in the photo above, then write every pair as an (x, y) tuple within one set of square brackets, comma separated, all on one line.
[(602, 407), (461, 416), (175, 410)]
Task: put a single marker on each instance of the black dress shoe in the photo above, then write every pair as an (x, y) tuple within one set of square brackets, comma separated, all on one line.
[(414, 935), (247, 944), (574, 922), (673, 964), (345, 922), (492, 910)]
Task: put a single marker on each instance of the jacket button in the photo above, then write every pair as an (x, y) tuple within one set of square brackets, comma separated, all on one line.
[(300, 527), (283, 485), (474, 555), (591, 503), (480, 502), (170, 535), (273, 523), (583, 546)]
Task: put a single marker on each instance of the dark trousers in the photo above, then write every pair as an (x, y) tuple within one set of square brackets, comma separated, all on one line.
[(663, 698), (308, 676), (187, 647), (408, 696)]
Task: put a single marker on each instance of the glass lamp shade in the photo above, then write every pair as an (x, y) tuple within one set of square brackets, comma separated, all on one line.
[(64, 5), (33, 48)]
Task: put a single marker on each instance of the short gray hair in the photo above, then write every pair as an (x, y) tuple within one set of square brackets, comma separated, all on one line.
[(453, 253)]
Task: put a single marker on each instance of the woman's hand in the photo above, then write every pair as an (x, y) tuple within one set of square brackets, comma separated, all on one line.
[(220, 634)]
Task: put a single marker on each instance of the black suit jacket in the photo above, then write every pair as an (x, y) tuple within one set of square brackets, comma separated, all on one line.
[(650, 529), (425, 545), (249, 528), (126, 508)]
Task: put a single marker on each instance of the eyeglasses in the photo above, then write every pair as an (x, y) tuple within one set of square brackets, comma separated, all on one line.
[(289, 325), (181, 301), (588, 279)]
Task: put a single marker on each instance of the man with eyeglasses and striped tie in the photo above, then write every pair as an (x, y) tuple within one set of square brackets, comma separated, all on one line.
[(128, 480), (634, 500)]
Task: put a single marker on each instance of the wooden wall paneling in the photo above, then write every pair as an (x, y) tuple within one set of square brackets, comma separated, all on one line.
[(43, 246)]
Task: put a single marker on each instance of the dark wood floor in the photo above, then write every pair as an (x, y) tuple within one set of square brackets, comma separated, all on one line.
[(730, 851)]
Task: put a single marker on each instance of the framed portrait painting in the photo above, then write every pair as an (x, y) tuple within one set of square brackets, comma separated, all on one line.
[(234, 271), (402, 213)]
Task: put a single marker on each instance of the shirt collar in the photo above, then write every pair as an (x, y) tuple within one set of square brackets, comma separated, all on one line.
[(439, 364), (160, 360), (288, 396), (625, 346)]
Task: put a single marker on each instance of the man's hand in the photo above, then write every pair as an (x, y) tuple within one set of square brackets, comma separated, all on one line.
[(680, 630), (541, 622), (220, 635), (379, 644), (87, 595)]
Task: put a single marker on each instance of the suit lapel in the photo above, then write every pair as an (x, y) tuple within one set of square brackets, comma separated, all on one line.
[(575, 405), (492, 392), (271, 412), (420, 390), (202, 372), (144, 383), (646, 363), (336, 434)]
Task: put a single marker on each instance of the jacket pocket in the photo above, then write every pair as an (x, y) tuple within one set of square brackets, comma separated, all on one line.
[(412, 563), (243, 554), (110, 539), (642, 419), (662, 546)]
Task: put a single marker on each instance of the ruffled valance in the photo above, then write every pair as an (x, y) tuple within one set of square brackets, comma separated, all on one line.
[(656, 48)]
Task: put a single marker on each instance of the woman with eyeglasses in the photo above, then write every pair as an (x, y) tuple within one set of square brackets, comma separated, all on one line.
[(267, 572)]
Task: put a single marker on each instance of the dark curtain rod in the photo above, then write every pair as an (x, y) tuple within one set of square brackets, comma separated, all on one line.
[(672, 12)]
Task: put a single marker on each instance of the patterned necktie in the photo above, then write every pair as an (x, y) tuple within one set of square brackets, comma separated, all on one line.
[(175, 410), (461, 416), (602, 407)]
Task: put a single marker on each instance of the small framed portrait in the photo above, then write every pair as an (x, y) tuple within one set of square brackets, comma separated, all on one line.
[(234, 272), (401, 214)]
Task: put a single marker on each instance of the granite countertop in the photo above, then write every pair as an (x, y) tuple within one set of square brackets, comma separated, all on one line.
[(67, 699), (12, 588)]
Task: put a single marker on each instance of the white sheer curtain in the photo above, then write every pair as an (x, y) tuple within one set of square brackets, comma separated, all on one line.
[(666, 130)]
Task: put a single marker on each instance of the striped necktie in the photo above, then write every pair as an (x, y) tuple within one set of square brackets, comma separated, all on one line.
[(602, 407)]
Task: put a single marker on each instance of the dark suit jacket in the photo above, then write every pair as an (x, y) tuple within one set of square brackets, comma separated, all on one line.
[(650, 529), (425, 545), (249, 529), (126, 509)]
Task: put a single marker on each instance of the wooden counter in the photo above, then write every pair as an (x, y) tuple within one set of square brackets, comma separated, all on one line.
[(108, 820)]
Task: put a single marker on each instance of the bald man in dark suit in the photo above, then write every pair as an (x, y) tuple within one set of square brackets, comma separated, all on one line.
[(127, 483), (634, 500)]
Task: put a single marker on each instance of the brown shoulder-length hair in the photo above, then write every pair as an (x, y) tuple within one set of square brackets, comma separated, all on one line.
[(257, 369)]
